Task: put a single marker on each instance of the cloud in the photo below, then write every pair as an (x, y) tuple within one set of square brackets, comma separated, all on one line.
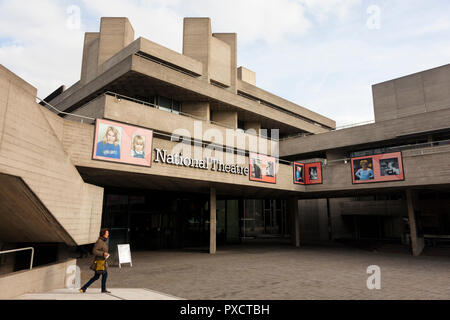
[(254, 20), (40, 47), (321, 10), (317, 53), (156, 20)]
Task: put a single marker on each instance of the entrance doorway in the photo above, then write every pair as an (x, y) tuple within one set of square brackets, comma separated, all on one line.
[(153, 220), (265, 219)]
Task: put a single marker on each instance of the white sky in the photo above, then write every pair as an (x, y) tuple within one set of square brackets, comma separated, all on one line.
[(321, 54)]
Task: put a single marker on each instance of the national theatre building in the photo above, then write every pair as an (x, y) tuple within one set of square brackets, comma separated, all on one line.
[(183, 150)]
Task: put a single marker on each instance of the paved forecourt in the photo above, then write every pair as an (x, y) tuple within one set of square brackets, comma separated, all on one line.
[(94, 294)]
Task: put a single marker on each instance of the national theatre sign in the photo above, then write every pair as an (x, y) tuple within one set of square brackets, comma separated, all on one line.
[(162, 156)]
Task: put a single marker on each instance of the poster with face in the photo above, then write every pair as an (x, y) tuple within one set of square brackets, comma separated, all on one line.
[(378, 168), (263, 168), (299, 173), (313, 173), (118, 142), (363, 169)]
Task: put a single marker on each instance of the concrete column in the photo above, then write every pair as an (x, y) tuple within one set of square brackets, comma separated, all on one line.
[(197, 37), (417, 243), (115, 34), (292, 206), (212, 221), (89, 66)]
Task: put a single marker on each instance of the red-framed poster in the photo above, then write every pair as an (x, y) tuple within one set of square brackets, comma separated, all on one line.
[(378, 168), (263, 168), (313, 173), (299, 173), (122, 143)]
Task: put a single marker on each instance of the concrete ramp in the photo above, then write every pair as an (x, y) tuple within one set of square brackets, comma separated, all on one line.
[(24, 218), (39, 183), (95, 294)]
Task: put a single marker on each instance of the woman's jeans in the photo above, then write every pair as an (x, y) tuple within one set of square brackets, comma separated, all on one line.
[(95, 278)]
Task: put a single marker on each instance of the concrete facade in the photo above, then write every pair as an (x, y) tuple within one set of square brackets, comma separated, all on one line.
[(418, 93)]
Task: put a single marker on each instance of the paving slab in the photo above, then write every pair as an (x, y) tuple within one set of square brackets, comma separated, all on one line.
[(281, 272), (95, 294)]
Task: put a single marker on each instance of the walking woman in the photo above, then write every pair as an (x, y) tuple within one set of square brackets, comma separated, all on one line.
[(100, 265)]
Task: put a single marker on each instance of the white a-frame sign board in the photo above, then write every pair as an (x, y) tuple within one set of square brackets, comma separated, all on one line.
[(124, 254)]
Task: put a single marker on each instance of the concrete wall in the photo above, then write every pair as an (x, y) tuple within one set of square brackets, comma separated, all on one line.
[(200, 110), (197, 41), (89, 67), (171, 57), (32, 150), (426, 166), (279, 118), (127, 111), (41, 279), (220, 62), (115, 34), (227, 118), (217, 52), (263, 95), (418, 93), (94, 109), (231, 40), (371, 133)]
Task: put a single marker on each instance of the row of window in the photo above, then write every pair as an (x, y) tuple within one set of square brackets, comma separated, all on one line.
[(162, 103), (174, 106)]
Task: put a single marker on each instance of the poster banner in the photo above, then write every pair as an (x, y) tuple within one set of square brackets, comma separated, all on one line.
[(263, 168), (299, 173), (378, 168), (313, 173), (118, 142)]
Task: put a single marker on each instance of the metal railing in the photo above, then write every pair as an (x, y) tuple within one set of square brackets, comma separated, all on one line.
[(347, 126), (22, 249), (156, 106), (352, 125), (62, 112)]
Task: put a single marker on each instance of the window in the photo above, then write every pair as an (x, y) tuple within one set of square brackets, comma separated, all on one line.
[(165, 104), (169, 105), (176, 107)]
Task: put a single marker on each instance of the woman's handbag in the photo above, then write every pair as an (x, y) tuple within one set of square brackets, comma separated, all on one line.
[(98, 266)]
